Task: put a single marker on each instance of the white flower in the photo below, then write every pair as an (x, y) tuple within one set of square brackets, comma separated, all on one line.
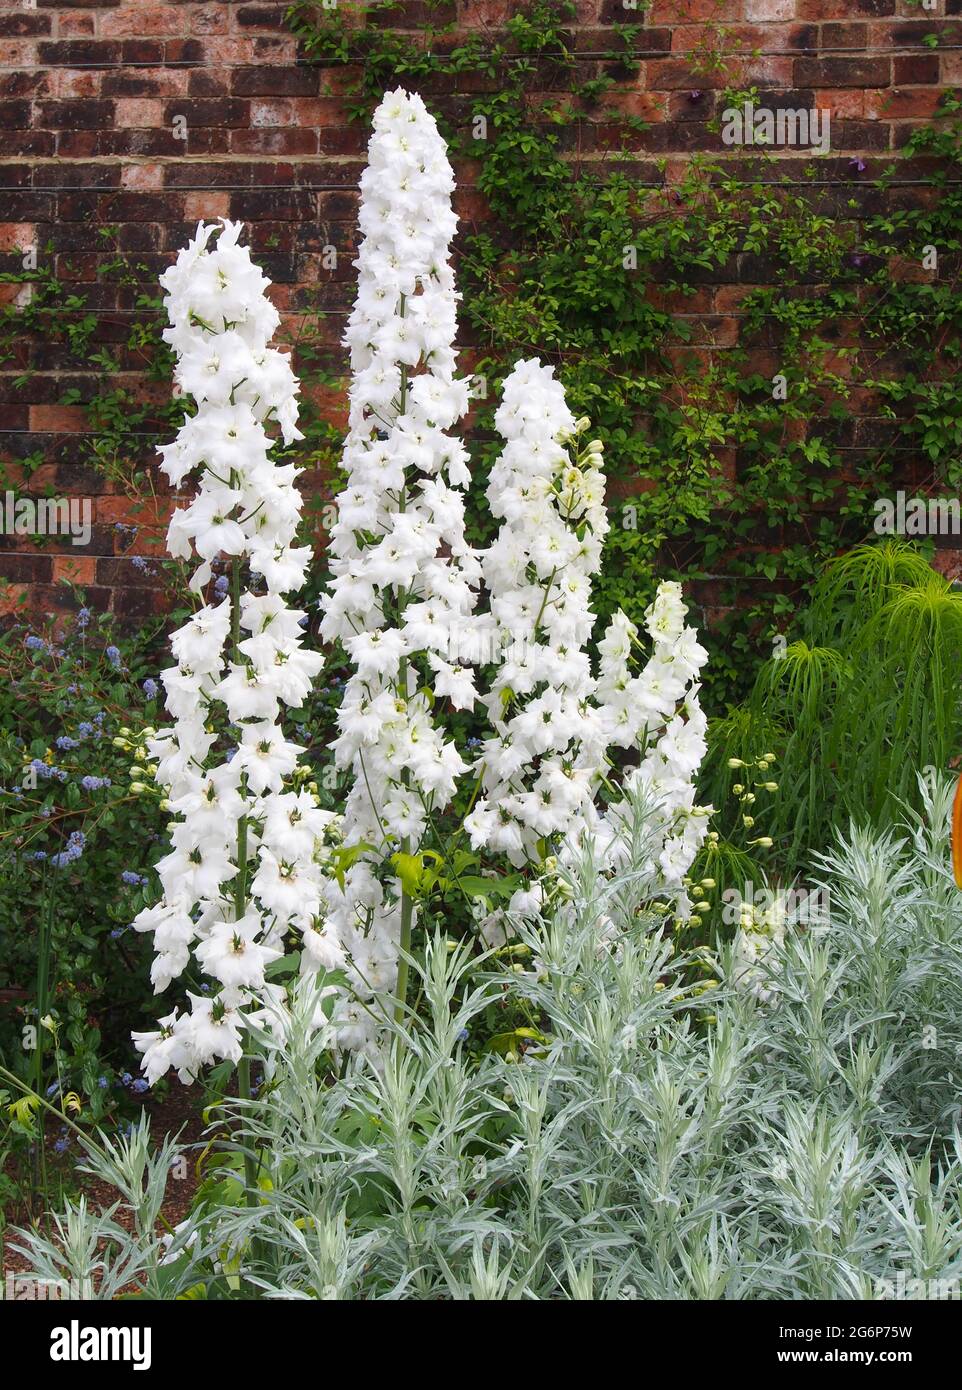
[(233, 954)]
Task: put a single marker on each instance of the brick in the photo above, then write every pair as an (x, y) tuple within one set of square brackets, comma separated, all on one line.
[(75, 115), (25, 568), (145, 20), (58, 417), (76, 53), (138, 112), (216, 111), (270, 16), (844, 105), (916, 69), (843, 9), (139, 603), (275, 142), (277, 82), (78, 569), (17, 26), (14, 115), (842, 72), (769, 9), (160, 82), (688, 11), (142, 176), (844, 36), (206, 204), (75, 26), (907, 103)]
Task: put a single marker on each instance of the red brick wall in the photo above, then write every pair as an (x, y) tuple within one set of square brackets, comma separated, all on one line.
[(90, 93)]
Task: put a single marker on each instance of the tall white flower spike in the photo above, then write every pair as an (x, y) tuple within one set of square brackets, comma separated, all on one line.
[(242, 871), (555, 722), (403, 591)]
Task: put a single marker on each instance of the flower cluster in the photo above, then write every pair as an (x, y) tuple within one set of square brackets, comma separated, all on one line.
[(241, 872), (404, 581), (555, 721), (538, 768), (657, 711)]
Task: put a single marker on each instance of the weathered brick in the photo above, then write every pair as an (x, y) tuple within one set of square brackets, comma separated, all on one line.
[(75, 115), (842, 72), (198, 111), (916, 69), (145, 20), (268, 82), (74, 569), (21, 568), (24, 25), (75, 53)]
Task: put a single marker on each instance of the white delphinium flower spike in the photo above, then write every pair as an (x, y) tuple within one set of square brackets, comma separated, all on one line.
[(242, 870), (405, 576), (538, 767), (558, 727)]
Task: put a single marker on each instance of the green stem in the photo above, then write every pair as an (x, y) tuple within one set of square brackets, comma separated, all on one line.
[(407, 904), (407, 914), (240, 885), (39, 1158)]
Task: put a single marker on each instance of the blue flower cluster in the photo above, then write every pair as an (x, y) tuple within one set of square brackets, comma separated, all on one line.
[(75, 848)]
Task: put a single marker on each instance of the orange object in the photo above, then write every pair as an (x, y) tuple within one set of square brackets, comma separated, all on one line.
[(957, 834)]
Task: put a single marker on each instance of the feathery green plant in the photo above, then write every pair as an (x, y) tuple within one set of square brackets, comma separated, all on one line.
[(870, 691)]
